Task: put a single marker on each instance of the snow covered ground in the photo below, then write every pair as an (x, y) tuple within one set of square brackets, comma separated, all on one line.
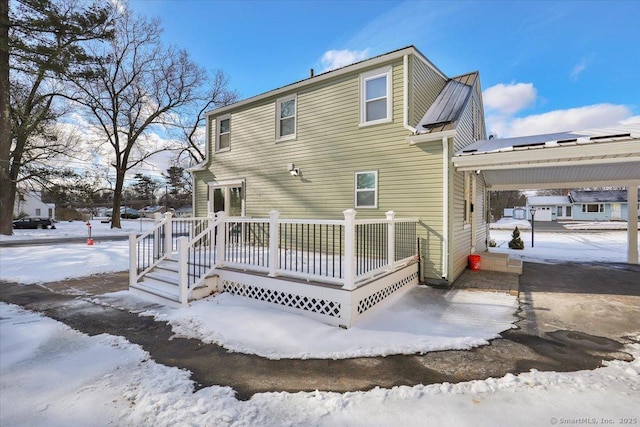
[(52, 375)]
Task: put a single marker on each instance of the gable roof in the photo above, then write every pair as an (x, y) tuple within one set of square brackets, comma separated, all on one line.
[(371, 62), (447, 108), (602, 196)]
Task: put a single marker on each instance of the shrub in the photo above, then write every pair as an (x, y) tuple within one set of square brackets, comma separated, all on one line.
[(516, 242)]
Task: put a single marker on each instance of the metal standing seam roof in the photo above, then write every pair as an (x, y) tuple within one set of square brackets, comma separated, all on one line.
[(449, 104)]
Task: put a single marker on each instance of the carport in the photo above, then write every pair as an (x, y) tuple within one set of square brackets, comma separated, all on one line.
[(591, 158)]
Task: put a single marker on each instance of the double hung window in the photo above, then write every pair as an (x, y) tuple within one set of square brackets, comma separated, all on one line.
[(286, 118), (375, 96), (366, 189), (223, 133)]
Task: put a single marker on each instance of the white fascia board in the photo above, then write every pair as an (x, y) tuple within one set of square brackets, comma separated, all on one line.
[(610, 152), (556, 185), (430, 137), (199, 167), (383, 59)]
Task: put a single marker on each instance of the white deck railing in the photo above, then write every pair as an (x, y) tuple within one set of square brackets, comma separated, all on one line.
[(346, 252), (342, 252)]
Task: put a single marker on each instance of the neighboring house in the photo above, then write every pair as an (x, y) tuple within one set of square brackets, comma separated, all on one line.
[(374, 136), (184, 212), (30, 203), (549, 208), (600, 205), (583, 205)]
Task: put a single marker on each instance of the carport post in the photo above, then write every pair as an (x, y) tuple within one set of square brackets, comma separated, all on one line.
[(632, 223)]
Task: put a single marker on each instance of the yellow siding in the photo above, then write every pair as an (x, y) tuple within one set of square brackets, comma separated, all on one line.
[(329, 148), (426, 84)]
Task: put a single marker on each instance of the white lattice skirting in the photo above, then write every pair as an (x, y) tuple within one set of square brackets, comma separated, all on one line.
[(328, 304)]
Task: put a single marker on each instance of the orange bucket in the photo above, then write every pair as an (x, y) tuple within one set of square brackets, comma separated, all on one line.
[(474, 262)]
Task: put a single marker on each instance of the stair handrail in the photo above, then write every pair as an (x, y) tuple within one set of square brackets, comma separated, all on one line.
[(190, 281), (136, 252)]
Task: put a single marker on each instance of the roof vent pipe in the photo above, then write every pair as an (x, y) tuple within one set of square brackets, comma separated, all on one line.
[(310, 72)]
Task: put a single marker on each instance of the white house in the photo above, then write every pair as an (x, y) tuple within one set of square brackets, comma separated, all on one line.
[(550, 208), (30, 204)]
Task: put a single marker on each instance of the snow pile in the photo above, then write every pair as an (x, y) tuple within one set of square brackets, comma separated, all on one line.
[(50, 263), (51, 375), (417, 321), (510, 224)]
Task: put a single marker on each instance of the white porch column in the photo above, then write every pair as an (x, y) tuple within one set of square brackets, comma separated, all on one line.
[(391, 236), (157, 219), (220, 238), (274, 237), (168, 234), (133, 260), (183, 262), (632, 223), (349, 248)]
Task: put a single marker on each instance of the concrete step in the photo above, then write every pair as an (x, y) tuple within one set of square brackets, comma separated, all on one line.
[(492, 261)]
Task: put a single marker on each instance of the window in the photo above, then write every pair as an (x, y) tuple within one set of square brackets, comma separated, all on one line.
[(592, 207), (367, 189), (375, 96), (223, 133), (38, 212), (286, 118)]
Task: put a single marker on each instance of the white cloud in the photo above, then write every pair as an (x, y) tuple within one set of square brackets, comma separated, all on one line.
[(580, 67), (333, 59), (509, 98), (573, 119)]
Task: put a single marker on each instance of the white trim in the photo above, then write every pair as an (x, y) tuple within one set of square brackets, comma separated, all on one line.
[(356, 190), (279, 102), (430, 137), (217, 142), (632, 222), (405, 94), (226, 184), (387, 73), (445, 207), (585, 154)]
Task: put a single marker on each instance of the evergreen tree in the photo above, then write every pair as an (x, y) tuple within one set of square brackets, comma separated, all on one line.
[(516, 242)]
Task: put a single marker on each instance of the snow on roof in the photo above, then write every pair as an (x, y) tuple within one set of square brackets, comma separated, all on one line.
[(590, 136), (594, 196), (548, 200)]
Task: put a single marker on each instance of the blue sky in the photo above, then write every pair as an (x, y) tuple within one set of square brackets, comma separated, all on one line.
[(544, 66)]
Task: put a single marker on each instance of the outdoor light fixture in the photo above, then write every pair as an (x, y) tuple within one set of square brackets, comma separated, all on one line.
[(532, 211), (294, 171)]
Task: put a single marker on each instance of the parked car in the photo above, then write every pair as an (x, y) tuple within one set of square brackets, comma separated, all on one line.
[(125, 212), (34, 222)]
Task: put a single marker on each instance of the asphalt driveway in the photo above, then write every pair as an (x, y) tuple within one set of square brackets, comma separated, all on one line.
[(574, 316)]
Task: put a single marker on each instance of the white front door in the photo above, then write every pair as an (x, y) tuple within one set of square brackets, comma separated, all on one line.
[(227, 197), (616, 211)]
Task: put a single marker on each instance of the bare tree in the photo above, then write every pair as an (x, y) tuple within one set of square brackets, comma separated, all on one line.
[(191, 120), (45, 41), (139, 89)]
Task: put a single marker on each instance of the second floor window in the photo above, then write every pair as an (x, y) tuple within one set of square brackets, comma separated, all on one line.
[(286, 118), (223, 133), (375, 96)]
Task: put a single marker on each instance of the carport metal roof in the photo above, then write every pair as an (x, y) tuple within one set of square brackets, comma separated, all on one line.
[(590, 158)]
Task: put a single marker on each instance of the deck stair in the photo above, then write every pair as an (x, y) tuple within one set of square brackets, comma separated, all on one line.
[(493, 261), (163, 283)]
